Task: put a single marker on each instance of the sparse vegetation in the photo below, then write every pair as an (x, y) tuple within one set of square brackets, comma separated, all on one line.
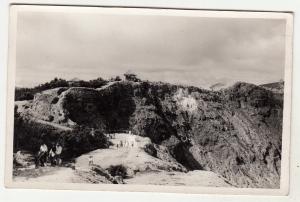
[(131, 77), (118, 170), (55, 100), (150, 149), (28, 93), (26, 131), (117, 78), (75, 142), (81, 140), (50, 118)]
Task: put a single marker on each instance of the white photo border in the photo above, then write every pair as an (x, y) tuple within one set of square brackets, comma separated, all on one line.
[(285, 161)]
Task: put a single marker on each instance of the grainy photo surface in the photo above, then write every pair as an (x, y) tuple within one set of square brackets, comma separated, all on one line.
[(160, 97)]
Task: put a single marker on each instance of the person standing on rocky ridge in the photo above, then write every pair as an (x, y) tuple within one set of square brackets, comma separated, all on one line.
[(91, 161)]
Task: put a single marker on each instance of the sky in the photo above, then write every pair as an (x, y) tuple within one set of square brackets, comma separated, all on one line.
[(194, 51)]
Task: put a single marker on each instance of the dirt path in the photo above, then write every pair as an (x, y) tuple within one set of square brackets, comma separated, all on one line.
[(48, 174), (192, 178), (132, 157), (150, 170)]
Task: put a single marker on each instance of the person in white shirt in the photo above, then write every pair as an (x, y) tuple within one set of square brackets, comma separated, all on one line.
[(44, 148), (42, 155)]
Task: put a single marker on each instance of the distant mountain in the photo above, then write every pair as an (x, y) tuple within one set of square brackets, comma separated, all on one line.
[(217, 86), (276, 87), (75, 79), (224, 83)]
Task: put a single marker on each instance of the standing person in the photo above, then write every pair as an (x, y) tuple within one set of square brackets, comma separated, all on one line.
[(91, 161), (52, 155), (42, 155), (58, 151)]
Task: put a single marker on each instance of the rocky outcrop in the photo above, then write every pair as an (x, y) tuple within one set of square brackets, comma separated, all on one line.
[(235, 132)]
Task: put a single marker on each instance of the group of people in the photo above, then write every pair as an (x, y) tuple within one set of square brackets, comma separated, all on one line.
[(53, 155), (126, 143)]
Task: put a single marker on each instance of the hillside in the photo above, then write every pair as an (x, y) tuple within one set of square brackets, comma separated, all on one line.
[(142, 168), (234, 132), (276, 87)]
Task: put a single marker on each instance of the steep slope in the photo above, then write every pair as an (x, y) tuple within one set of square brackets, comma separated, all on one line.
[(235, 132)]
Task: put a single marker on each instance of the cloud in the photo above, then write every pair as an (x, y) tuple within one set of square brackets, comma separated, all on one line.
[(189, 50)]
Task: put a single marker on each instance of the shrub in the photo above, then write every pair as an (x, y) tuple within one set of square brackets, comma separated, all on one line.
[(117, 170), (81, 140), (26, 131), (61, 90), (96, 83), (131, 77), (75, 142), (150, 149), (24, 94), (55, 100), (117, 78), (28, 93), (50, 118)]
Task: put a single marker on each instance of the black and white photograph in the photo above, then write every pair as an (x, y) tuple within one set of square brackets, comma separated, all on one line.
[(144, 99)]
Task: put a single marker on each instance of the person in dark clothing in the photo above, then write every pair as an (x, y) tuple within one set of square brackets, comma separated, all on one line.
[(58, 151), (52, 155)]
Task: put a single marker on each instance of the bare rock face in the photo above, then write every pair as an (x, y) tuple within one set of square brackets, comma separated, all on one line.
[(235, 132)]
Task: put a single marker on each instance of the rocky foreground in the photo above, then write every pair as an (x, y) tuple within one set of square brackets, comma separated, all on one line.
[(142, 168), (234, 132)]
